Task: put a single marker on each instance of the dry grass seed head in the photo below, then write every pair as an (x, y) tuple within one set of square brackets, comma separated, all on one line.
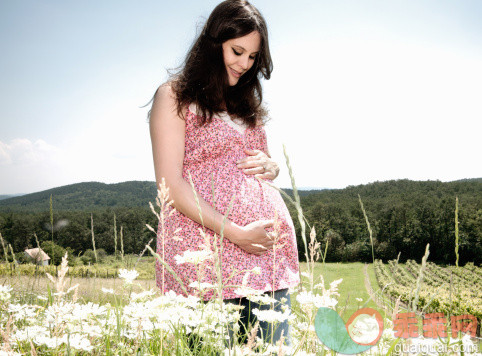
[(9, 328), (252, 337), (32, 349), (280, 344)]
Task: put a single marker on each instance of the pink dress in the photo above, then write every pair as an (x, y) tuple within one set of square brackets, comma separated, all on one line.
[(210, 156)]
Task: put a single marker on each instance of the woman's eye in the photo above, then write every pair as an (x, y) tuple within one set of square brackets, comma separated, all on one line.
[(239, 53)]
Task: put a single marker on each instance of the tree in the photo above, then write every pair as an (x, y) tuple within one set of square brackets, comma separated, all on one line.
[(59, 252)]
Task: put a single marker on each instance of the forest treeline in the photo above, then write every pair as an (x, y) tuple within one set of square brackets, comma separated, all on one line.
[(404, 215)]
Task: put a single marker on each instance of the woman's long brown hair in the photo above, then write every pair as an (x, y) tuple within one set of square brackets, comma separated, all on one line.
[(203, 79)]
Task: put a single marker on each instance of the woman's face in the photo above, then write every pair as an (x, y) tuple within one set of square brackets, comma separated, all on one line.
[(239, 54)]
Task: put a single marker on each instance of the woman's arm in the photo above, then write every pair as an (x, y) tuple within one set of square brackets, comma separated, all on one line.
[(167, 131)]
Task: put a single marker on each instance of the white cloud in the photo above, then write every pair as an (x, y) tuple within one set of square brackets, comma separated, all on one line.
[(115, 147), (4, 154), (22, 151), (28, 166)]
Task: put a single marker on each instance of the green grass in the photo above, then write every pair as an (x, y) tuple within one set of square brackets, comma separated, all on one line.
[(352, 287), (352, 274), (108, 268)]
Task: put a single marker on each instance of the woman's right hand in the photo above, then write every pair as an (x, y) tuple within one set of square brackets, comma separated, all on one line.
[(255, 234)]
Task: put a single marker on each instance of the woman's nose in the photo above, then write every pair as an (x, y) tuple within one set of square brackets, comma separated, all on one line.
[(244, 62)]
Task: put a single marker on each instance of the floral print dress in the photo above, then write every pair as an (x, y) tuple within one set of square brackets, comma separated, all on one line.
[(210, 156)]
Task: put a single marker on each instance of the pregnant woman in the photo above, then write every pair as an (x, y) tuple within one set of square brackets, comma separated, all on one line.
[(207, 127)]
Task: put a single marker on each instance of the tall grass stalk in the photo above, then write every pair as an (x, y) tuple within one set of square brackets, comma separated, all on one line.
[(13, 253), (298, 207), (368, 226), (143, 252), (314, 247), (39, 254), (93, 237), (115, 238), (457, 231), (219, 253), (420, 278), (52, 225), (323, 256), (4, 248), (14, 260), (122, 244), (163, 202), (196, 198), (169, 269)]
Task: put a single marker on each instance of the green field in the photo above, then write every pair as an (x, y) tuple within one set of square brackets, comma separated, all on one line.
[(350, 288)]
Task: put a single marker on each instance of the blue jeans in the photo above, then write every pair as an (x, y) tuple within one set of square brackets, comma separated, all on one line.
[(265, 330)]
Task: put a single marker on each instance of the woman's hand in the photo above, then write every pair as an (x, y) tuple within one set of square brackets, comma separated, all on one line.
[(254, 238), (259, 164)]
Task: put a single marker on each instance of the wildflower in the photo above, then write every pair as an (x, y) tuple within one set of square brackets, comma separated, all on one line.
[(85, 311), (359, 300), (245, 291), (236, 350), (284, 350), (317, 300), (262, 299), (23, 311), (142, 295), (201, 285), (79, 342), (51, 343), (256, 270), (245, 278), (107, 291), (30, 332), (271, 315), (334, 284), (128, 276), (5, 293), (195, 257)]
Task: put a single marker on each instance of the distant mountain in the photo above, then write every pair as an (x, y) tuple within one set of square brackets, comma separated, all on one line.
[(84, 196), (91, 196), (469, 180), (402, 189), (305, 191), (6, 196), (307, 188)]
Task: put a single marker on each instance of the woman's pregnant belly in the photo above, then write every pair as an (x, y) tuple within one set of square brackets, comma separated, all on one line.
[(222, 183)]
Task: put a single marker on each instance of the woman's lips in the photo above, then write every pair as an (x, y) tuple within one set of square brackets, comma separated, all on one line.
[(234, 73)]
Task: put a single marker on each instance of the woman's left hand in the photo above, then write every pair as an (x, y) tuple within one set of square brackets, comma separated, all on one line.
[(259, 164)]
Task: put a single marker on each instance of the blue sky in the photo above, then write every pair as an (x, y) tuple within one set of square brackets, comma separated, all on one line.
[(362, 91)]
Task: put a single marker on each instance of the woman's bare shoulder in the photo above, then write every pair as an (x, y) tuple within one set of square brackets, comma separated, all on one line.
[(166, 98), (165, 93)]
